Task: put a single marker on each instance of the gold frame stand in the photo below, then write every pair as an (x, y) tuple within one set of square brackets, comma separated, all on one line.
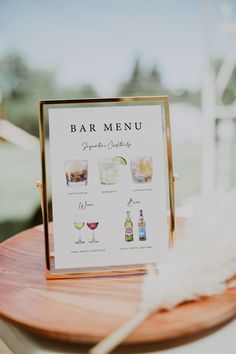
[(42, 184)]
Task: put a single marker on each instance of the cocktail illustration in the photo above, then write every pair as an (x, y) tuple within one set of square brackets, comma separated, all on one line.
[(141, 169), (76, 172), (93, 226), (78, 224), (108, 171)]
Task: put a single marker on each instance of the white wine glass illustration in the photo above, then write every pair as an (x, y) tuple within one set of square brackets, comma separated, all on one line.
[(93, 226), (78, 224)]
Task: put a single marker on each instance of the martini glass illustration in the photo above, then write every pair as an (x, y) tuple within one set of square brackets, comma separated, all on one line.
[(93, 226), (78, 224)]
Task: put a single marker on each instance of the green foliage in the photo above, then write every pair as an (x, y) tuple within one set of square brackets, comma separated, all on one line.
[(229, 94), (142, 83), (23, 87), (14, 74)]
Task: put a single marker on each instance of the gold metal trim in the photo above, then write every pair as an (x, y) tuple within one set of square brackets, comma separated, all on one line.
[(42, 185), (170, 172), (99, 274)]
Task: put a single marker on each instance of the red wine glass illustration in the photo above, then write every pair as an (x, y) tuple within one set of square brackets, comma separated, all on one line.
[(93, 226)]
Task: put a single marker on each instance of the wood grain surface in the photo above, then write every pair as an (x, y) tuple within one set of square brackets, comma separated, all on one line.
[(87, 310)]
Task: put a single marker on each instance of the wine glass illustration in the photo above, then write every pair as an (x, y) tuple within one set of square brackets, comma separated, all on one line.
[(78, 224), (93, 226)]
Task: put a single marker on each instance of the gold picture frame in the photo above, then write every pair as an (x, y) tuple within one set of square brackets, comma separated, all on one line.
[(44, 105)]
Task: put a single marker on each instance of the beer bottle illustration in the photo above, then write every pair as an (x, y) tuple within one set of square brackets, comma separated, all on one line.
[(129, 234), (141, 227)]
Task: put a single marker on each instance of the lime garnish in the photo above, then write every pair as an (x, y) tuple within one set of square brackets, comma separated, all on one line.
[(121, 160)]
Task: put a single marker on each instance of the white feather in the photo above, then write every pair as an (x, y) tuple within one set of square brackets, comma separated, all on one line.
[(203, 257)]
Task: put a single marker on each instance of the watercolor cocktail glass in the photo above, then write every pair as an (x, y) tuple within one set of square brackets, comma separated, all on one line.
[(78, 224), (76, 172), (108, 171), (141, 169), (93, 226)]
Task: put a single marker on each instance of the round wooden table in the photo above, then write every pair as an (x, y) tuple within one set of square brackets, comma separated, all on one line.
[(87, 310)]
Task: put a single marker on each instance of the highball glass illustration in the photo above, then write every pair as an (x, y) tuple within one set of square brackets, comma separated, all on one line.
[(108, 171), (76, 172), (141, 169)]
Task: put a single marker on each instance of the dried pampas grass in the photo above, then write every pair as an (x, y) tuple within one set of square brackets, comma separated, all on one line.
[(203, 257)]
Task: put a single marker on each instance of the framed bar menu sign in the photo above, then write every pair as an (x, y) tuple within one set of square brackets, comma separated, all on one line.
[(108, 167)]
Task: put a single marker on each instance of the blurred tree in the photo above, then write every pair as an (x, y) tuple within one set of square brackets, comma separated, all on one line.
[(13, 75), (141, 83), (150, 83), (137, 73), (229, 94), (23, 86), (88, 91), (84, 91)]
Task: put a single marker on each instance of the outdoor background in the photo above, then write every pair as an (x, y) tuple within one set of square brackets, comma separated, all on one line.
[(74, 49)]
